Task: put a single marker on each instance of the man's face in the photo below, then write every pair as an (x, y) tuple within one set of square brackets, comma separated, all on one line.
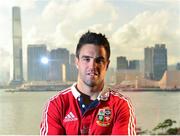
[(92, 65)]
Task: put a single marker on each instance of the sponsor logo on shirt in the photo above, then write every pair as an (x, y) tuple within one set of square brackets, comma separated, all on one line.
[(70, 117), (104, 117)]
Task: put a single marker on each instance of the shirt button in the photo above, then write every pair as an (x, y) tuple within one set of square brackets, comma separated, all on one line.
[(83, 105), (78, 99)]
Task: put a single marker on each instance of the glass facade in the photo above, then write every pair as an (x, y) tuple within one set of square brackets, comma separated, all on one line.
[(155, 59), (17, 45), (37, 70)]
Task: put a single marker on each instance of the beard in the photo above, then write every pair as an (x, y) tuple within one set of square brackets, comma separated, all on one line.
[(91, 79), (93, 82), (90, 83)]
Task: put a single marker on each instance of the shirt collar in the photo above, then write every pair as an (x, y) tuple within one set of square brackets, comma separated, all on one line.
[(75, 92), (103, 95)]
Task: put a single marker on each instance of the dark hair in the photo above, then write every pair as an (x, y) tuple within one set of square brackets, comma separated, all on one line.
[(93, 38)]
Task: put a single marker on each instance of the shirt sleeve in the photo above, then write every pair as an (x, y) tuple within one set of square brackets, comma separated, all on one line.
[(124, 119), (51, 120)]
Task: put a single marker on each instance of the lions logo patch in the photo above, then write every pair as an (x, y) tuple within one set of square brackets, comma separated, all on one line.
[(104, 117)]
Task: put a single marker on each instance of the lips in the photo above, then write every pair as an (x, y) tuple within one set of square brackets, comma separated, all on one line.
[(92, 74)]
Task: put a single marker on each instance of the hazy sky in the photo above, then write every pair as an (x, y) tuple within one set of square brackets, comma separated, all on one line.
[(130, 25)]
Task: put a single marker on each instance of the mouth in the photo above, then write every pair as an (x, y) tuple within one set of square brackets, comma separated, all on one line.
[(92, 74)]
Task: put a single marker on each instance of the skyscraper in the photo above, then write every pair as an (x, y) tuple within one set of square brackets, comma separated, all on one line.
[(178, 66), (134, 64), (159, 61), (155, 59), (17, 46), (148, 62), (59, 64), (73, 72), (122, 63), (37, 69)]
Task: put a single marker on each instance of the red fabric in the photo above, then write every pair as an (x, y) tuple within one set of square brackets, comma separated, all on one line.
[(62, 115)]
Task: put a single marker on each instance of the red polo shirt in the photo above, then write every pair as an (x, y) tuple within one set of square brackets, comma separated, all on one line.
[(110, 113)]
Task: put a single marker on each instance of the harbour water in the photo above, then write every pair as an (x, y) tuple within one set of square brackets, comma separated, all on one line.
[(20, 112)]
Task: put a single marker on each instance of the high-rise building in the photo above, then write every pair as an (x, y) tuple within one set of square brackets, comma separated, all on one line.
[(17, 46), (122, 63), (155, 59), (148, 62), (134, 64), (37, 62), (72, 69), (59, 63), (159, 61), (110, 76), (141, 66), (178, 66), (72, 59)]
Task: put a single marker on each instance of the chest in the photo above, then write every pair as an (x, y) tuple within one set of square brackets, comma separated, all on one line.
[(96, 120)]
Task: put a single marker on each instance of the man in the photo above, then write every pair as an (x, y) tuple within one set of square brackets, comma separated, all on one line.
[(87, 107)]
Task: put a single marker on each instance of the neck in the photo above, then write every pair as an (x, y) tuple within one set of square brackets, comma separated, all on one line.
[(93, 92)]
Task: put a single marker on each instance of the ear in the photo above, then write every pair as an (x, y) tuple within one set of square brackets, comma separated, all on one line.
[(76, 62), (107, 65)]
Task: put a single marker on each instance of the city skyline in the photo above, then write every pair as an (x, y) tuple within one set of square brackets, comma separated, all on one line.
[(142, 24)]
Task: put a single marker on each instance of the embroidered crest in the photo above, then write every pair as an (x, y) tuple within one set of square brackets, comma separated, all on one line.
[(104, 117)]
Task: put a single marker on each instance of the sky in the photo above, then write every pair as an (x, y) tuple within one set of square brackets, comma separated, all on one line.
[(130, 26)]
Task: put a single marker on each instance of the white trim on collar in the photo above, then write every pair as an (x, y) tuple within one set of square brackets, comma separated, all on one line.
[(75, 93), (103, 95)]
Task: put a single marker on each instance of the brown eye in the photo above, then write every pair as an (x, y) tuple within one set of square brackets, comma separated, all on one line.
[(100, 60), (86, 59)]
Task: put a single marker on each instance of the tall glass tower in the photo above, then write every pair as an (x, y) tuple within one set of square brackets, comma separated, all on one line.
[(37, 70), (155, 59), (17, 46)]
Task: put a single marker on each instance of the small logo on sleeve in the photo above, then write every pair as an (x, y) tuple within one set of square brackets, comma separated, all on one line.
[(104, 117)]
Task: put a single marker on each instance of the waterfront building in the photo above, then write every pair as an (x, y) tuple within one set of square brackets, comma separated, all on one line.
[(134, 79), (155, 61), (170, 80), (178, 66), (159, 61), (134, 64), (72, 69), (59, 63), (128, 75), (110, 76), (141, 66), (17, 46), (37, 69), (72, 59), (148, 63), (122, 63)]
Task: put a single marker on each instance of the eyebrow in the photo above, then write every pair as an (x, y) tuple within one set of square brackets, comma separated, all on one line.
[(99, 57), (86, 56)]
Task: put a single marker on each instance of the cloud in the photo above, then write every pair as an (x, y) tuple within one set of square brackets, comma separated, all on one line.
[(70, 19), (146, 29), (25, 4)]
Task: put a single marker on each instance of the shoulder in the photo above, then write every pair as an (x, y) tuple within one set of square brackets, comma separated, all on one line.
[(55, 102), (60, 95), (117, 94), (119, 98), (123, 103)]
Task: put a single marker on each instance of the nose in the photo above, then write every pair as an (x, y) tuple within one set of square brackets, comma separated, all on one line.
[(93, 64)]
